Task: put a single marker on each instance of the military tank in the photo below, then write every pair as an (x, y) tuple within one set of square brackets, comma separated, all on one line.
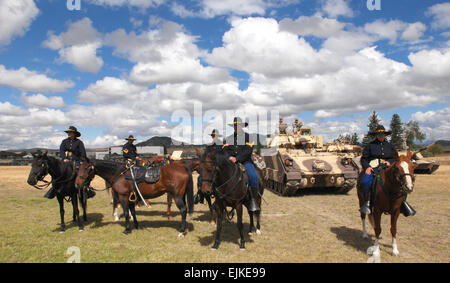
[(298, 160), (424, 166)]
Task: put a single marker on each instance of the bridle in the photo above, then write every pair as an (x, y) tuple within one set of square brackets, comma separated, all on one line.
[(399, 178), (42, 176)]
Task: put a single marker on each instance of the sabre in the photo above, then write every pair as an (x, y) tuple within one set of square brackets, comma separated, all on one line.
[(137, 188)]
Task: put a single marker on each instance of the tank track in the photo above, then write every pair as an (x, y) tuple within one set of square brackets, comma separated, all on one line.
[(349, 184), (280, 189)]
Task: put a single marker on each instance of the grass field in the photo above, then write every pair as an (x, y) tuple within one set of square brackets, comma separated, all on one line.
[(316, 227)]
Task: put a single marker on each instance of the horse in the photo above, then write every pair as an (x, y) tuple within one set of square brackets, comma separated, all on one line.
[(63, 178), (174, 180), (392, 185), (226, 181)]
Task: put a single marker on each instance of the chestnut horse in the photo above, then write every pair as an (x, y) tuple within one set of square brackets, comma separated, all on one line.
[(174, 180), (226, 181), (392, 185)]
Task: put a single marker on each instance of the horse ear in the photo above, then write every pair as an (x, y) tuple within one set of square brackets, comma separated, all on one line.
[(395, 154), (409, 155)]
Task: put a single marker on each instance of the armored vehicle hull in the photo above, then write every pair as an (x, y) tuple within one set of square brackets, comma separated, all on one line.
[(426, 166), (299, 162)]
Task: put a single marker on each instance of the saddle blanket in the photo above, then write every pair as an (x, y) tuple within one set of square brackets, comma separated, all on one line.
[(141, 173)]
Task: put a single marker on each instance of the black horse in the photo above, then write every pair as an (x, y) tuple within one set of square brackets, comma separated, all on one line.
[(63, 180), (227, 182)]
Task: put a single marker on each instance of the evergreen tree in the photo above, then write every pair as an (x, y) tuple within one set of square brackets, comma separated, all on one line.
[(397, 131), (354, 139), (413, 132), (374, 122)]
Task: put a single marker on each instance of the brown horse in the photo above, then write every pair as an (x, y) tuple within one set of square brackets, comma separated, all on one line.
[(226, 181), (392, 185), (174, 180)]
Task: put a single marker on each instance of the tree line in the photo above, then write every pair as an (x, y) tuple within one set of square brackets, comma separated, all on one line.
[(410, 131)]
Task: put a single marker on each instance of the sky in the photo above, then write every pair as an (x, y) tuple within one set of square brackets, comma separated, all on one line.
[(177, 68)]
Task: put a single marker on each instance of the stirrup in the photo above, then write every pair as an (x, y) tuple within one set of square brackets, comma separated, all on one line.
[(407, 210)]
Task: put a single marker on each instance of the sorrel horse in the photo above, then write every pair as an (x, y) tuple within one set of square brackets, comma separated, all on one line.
[(174, 180), (63, 178), (392, 185), (226, 181)]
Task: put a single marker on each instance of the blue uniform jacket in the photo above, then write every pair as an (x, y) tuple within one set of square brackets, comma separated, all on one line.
[(72, 149), (376, 149)]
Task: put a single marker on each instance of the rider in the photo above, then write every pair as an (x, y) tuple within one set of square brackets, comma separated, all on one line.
[(71, 149), (216, 145), (129, 150), (380, 151), (239, 149)]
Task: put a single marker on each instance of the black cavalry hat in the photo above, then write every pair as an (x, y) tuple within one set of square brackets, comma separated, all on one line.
[(238, 121), (72, 129), (380, 130), (215, 133), (130, 137)]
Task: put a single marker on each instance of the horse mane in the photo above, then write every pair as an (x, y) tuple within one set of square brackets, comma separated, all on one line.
[(222, 161)]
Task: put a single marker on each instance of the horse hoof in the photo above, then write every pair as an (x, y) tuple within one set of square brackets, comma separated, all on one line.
[(214, 249), (80, 230), (258, 232), (242, 249), (181, 235), (126, 232), (365, 236), (395, 253), (61, 231)]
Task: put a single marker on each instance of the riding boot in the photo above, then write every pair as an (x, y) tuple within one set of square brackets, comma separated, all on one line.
[(50, 193), (90, 192), (365, 208), (406, 209), (253, 206)]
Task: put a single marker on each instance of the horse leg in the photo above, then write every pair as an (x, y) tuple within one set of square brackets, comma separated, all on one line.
[(375, 249), (169, 204), (240, 226), (179, 201), (364, 230), (258, 217), (115, 204), (76, 212), (394, 217), (133, 213), (219, 213), (252, 225), (125, 203), (211, 210), (83, 201), (61, 212)]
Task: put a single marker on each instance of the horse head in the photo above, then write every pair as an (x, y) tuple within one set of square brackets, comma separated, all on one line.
[(39, 168), (84, 175), (404, 171), (207, 170)]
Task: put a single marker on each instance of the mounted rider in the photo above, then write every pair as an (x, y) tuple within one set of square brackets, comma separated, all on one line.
[(216, 145), (376, 153), (129, 150), (239, 149), (71, 150)]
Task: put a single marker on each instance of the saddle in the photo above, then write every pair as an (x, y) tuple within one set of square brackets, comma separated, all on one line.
[(142, 173)]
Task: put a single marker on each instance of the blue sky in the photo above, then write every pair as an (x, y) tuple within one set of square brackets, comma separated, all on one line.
[(120, 67)]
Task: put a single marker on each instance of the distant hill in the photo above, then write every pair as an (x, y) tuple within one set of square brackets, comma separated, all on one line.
[(445, 145), (157, 141)]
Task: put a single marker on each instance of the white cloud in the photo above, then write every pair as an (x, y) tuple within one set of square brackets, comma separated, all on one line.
[(256, 45), (435, 123), (16, 17), (315, 25), (386, 30), (214, 8), (8, 109), (441, 15), (27, 80), (335, 8), (414, 31), (109, 89), (42, 101), (78, 46), (164, 55)]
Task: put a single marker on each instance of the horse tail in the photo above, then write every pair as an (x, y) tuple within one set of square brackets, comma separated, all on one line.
[(190, 192)]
